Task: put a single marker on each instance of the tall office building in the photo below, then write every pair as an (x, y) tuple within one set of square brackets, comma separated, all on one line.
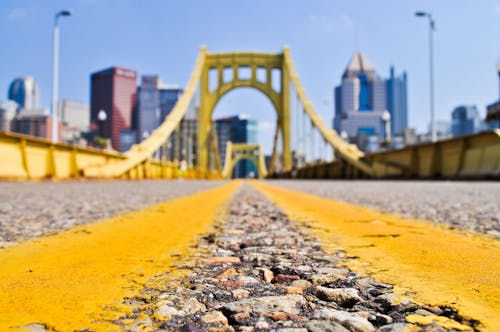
[(182, 144), (25, 92), (360, 101), (113, 91), (168, 97), (155, 101), (148, 106), (397, 101), (237, 129), (465, 120), (169, 94)]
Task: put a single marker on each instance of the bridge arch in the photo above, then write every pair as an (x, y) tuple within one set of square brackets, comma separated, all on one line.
[(227, 88), (235, 62), (235, 162), (236, 152)]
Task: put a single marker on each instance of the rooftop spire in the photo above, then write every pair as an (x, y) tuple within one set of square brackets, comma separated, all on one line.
[(359, 62)]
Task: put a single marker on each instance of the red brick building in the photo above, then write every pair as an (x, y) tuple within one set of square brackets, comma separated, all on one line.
[(34, 124), (113, 91)]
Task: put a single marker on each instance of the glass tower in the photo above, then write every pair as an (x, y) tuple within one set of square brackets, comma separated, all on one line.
[(397, 102), (25, 92), (465, 120), (360, 101)]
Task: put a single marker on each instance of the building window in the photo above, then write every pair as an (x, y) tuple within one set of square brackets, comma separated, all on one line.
[(364, 96), (366, 130)]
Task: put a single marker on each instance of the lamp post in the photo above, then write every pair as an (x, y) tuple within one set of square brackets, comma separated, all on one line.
[(55, 72), (386, 118), (431, 71)]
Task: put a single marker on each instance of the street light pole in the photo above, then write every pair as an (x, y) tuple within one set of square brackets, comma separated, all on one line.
[(431, 71), (55, 73)]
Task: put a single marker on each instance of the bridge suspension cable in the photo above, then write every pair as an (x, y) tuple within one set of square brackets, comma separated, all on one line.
[(350, 153), (173, 141)]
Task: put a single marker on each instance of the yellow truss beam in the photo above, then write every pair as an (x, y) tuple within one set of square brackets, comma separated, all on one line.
[(138, 163)]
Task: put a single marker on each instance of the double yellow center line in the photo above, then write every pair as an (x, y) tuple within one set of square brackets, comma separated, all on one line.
[(426, 262), (74, 279), (77, 279)]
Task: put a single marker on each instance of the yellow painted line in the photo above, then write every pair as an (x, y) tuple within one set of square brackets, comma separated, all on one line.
[(426, 262), (71, 279)]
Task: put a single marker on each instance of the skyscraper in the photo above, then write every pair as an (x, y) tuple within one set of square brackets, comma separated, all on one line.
[(25, 92), (113, 91), (182, 143), (169, 94), (360, 101), (465, 120), (397, 101), (148, 106)]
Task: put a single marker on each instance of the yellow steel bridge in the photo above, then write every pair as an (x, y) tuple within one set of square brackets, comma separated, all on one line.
[(319, 151)]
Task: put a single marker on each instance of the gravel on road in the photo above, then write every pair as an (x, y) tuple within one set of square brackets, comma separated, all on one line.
[(471, 205), (31, 209), (260, 271)]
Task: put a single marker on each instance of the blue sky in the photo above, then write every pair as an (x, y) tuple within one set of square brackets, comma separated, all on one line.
[(163, 37)]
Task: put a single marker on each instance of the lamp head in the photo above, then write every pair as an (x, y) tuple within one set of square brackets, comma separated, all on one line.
[(421, 14), (102, 116), (67, 12), (386, 116)]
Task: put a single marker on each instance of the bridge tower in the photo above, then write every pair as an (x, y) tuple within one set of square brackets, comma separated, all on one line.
[(222, 73)]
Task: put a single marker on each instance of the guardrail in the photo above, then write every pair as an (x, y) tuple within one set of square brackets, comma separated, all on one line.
[(25, 157), (466, 157), (30, 158), (474, 156)]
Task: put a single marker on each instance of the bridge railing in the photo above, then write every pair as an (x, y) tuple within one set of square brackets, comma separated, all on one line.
[(466, 157), (25, 157)]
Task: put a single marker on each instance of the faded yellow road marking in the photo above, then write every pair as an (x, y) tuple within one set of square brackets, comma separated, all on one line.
[(433, 264), (71, 279)]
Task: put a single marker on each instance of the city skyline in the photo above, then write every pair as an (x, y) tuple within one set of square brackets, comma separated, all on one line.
[(321, 36)]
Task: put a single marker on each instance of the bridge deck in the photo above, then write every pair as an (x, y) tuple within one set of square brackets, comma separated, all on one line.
[(102, 275)]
